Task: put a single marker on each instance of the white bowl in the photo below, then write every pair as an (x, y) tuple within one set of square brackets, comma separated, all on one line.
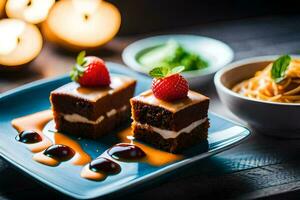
[(217, 53), (272, 118)]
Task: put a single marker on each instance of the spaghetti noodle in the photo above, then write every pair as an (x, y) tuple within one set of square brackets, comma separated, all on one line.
[(263, 87)]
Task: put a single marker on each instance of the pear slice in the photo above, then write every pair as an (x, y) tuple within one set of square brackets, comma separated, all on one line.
[(32, 11), (20, 42), (82, 24)]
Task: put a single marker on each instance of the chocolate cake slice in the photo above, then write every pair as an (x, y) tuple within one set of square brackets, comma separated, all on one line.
[(92, 111), (170, 126)]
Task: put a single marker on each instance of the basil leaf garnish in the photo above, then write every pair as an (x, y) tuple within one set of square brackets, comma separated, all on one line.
[(279, 68)]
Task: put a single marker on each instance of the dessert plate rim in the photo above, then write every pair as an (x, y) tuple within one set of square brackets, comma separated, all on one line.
[(165, 170), (243, 135)]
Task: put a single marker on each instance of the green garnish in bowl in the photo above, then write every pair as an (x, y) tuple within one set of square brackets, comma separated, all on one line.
[(170, 55), (279, 68)]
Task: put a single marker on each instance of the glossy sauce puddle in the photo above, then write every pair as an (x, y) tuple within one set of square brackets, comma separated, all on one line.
[(99, 168), (36, 122)]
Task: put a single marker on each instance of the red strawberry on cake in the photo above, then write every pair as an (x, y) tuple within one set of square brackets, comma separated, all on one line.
[(170, 116), (90, 71), (169, 85), (95, 102)]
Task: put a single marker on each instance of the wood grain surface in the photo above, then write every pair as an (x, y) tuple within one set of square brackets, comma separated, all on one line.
[(261, 167)]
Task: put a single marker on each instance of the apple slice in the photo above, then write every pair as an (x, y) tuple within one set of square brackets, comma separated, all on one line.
[(20, 42), (77, 24), (32, 11)]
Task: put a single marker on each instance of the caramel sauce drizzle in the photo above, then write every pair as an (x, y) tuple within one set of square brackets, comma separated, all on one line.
[(154, 157), (192, 98), (43, 159), (37, 122), (81, 157), (91, 175)]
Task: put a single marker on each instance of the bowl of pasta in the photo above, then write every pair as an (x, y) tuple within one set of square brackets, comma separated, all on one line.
[(264, 92)]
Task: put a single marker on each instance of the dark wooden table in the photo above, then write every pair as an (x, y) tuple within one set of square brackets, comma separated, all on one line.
[(260, 167)]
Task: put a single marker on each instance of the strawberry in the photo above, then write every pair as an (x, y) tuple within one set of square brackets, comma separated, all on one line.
[(90, 71), (169, 85)]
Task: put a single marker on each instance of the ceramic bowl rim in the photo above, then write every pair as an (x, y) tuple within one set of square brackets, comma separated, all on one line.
[(132, 63)]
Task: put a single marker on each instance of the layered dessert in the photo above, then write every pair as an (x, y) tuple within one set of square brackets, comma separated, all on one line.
[(93, 104), (170, 116)]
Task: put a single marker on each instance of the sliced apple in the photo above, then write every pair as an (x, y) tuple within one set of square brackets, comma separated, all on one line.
[(32, 11), (20, 42), (80, 24)]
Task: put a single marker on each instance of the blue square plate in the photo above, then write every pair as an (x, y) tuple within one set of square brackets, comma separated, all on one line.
[(33, 97)]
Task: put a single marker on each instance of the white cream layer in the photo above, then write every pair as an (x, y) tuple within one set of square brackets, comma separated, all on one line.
[(111, 112), (78, 118), (75, 118), (166, 134)]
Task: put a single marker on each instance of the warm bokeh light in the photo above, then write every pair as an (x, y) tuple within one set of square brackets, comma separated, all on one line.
[(9, 35), (80, 25), (2, 5), (33, 11), (87, 7), (20, 42)]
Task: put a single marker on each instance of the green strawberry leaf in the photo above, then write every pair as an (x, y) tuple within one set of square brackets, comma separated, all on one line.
[(80, 58), (79, 68), (159, 72), (279, 68)]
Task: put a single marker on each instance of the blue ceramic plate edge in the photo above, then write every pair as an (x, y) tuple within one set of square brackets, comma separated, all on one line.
[(182, 163), (136, 181), (244, 135)]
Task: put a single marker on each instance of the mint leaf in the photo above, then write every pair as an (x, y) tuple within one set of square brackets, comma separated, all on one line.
[(79, 68), (80, 58), (177, 69), (159, 72), (279, 68)]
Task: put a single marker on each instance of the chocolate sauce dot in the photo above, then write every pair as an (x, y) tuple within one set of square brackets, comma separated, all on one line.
[(105, 165), (29, 137), (125, 151), (59, 152)]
